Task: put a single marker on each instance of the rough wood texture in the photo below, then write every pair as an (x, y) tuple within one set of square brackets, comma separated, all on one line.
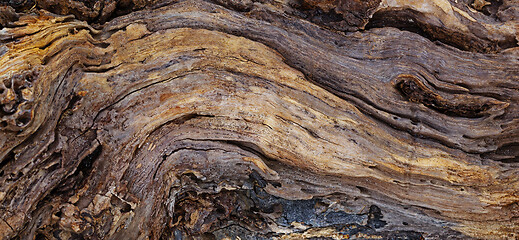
[(269, 119)]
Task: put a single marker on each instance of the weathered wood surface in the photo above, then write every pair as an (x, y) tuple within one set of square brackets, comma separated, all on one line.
[(269, 119)]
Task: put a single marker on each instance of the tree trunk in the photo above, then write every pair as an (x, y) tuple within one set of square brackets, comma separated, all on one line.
[(259, 119)]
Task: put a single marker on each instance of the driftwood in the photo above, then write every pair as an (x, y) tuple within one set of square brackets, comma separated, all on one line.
[(265, 119)]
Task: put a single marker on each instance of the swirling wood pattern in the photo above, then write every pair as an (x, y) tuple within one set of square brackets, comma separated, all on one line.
[(258, 120)]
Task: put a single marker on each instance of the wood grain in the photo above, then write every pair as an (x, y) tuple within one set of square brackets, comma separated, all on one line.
[(260, 120)]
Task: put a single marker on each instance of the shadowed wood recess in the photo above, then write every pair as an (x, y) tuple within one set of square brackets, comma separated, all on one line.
[(259, 119)]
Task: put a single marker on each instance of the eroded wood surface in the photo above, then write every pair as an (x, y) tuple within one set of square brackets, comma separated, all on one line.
[(272, 119)]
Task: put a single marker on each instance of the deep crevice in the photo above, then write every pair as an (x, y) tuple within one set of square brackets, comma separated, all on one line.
[(78, 177), (10, 157), (415, 91)]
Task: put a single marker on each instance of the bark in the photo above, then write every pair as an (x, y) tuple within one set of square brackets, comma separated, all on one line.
[(247, 119)]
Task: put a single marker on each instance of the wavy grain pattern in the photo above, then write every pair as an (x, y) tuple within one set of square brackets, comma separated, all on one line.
[(259, 120)]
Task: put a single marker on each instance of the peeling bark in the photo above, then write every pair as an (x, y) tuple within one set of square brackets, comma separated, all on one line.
[(259, 119)]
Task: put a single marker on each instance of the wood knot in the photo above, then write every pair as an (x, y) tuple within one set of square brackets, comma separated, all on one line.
[(17, 100), (461, 105)]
